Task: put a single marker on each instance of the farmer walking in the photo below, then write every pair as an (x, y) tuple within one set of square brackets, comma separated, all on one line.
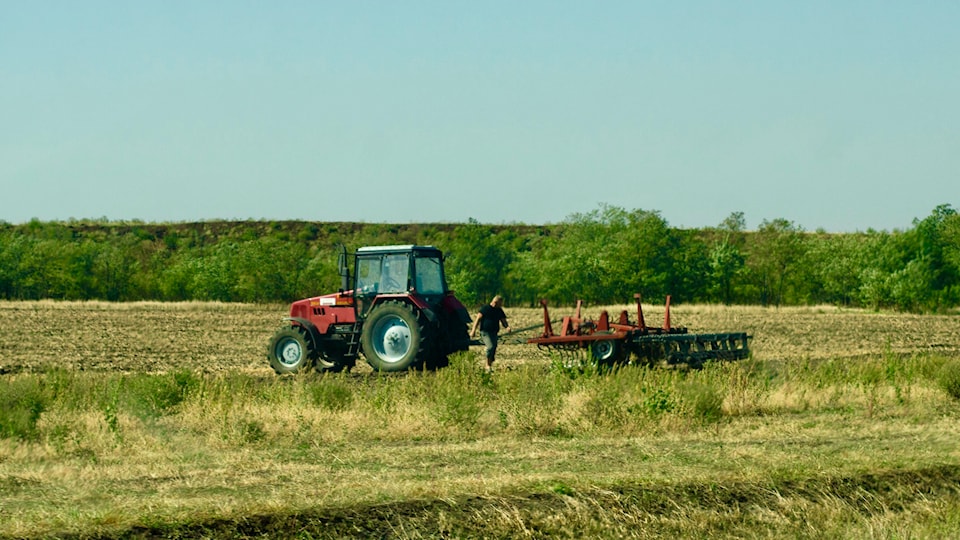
[(489, 319)]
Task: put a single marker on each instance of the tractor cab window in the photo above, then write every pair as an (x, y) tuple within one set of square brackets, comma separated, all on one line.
[(429, 275), (393, 275), (368, 275)]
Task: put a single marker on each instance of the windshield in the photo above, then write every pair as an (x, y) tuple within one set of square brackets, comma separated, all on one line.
[(387, 274), (429, 277)]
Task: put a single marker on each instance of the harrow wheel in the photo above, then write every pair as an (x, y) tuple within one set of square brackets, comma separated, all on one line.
[(606, 352)]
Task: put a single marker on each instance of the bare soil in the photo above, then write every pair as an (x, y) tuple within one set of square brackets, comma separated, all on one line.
[(216, 337)]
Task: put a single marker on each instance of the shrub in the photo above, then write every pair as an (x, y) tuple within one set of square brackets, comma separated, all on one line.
[(332, 395), (152, 396), (22, 401), (605, 407), (949, 378), (457, 407), (460, 391), (703, 401), (530, 402), (657, 401)]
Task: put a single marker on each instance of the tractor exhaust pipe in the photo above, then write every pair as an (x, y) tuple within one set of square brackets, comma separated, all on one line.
[(344, 268)]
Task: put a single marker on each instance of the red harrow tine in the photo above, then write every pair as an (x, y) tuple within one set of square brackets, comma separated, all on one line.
[(642, 325)]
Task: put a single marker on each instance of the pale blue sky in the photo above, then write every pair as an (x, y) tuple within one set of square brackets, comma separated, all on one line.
[(836, 115)]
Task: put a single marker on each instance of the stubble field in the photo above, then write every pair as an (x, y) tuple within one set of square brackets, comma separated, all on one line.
[(839, 426), (215, 337)]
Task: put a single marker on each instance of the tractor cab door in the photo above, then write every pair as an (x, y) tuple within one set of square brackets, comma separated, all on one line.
[(368, 282), (428, 275), (379, 274)]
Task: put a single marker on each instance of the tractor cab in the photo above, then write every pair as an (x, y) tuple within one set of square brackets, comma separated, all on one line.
[(389, 271)]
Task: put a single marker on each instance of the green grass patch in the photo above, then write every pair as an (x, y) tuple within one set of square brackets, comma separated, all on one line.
[(732, 450)]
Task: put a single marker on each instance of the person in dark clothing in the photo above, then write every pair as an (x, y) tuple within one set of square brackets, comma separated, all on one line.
[(489, 319)]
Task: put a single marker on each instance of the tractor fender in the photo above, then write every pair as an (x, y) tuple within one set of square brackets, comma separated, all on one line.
[(416, 302), (424, 307), (308, 326), (453, 305)]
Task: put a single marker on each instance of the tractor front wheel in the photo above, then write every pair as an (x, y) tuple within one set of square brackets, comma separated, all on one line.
[(391, 337), (290, 351)]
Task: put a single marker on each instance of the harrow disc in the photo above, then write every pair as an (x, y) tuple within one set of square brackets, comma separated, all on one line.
[(694, 349)]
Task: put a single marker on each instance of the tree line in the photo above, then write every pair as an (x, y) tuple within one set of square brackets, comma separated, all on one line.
[(603, 257)]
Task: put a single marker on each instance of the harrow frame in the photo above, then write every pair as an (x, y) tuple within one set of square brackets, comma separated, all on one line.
[(610, 343)]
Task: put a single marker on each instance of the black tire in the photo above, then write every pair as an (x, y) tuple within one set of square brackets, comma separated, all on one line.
[(450, 338), (291, 351), (331, 364), (391, 338), (433, 348), (332, 356), (606, 352)]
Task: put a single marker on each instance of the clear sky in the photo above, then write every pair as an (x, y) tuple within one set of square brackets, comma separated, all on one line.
[(835, 115)]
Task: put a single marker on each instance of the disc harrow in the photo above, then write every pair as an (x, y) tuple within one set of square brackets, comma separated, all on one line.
[(608, 343)]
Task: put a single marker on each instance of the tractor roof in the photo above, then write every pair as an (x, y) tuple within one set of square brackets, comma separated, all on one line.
[(396, 249)]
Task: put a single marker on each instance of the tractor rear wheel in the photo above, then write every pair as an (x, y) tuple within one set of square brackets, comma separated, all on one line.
[(392, 337), (450, 338), (291, 351)]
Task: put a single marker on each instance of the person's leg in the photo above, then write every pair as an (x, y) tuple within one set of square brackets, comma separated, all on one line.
[(490, 342), (493, 352)]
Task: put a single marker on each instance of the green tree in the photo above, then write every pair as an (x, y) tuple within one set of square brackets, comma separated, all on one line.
[(41, 271), (478, 259), (778, 247), (573, 261), (113, 270), (688, 260), (603, 256), (950, 238), (835, 263), (213, 273), (913, 270), (726, 257), (270, 269), (933, 260), (643, 256), (14, 249)]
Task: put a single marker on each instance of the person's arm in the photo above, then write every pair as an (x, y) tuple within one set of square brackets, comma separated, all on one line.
[(476, 323)]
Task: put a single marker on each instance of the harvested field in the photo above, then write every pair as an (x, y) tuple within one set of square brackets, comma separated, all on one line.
[(135, 337), (216, 337)]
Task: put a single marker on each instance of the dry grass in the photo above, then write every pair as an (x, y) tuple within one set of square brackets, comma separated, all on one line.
[(836, 428)]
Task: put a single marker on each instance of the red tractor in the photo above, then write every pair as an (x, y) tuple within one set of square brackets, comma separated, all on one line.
[(396, 310)]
